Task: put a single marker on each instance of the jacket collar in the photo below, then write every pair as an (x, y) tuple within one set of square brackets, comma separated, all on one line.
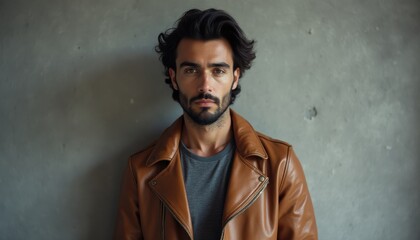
[(246, 139)]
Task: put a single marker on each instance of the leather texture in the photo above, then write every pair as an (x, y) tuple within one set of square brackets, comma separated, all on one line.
[(267, 196)]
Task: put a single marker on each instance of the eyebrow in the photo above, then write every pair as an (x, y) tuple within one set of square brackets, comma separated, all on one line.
[(217, 64), (188, 64)]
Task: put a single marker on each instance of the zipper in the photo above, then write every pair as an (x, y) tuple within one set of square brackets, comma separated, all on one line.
[(177, 219), (244, 208), (163, 220)]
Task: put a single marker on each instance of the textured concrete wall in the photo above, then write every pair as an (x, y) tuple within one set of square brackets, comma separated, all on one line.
[(81, 89)]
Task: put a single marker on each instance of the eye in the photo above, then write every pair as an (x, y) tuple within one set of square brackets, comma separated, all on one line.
[(219, 71), (190, 70)]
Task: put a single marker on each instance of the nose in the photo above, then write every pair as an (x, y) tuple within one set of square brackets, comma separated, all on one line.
[(205, 81)]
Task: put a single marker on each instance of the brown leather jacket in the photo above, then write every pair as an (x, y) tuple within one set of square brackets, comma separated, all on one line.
[(267, 196)]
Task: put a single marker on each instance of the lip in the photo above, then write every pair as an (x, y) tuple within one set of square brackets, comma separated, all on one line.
[(204, 102)]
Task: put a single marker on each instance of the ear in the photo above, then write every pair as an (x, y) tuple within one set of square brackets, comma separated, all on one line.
[(236, 75), (172, 75)]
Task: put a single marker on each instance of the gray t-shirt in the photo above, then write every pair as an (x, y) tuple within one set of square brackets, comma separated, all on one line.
[(206, 180)]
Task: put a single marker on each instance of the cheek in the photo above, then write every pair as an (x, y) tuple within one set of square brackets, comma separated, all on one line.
[(184, 84), (183, 99), (185, 91)]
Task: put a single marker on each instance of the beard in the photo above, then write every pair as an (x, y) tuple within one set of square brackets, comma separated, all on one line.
[(203, 116)]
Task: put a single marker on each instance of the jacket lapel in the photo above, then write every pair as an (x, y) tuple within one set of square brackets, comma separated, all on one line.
[(246, 181), (168, 185)]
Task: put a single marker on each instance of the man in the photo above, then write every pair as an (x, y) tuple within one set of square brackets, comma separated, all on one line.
[(210, 175)]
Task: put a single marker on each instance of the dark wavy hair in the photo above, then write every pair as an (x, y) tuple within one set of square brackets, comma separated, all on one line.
[(206, 25)]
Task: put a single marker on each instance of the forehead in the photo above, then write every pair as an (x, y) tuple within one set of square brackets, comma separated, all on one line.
[(204, 51)]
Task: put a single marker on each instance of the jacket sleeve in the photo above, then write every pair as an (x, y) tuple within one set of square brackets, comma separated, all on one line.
[(296, 213), (128, 221)]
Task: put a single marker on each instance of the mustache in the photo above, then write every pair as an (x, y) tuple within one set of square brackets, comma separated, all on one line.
[(205, 96)]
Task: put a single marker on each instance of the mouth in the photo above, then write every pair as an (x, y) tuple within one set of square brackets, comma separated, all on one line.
[(204, 102)]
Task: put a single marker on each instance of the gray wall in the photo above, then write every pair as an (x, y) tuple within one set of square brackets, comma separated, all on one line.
[(81, 89)]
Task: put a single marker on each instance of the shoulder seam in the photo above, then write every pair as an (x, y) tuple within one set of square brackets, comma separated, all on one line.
[(286, 168), (132, 171)]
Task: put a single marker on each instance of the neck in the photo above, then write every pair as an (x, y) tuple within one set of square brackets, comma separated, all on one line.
[(207, 140)]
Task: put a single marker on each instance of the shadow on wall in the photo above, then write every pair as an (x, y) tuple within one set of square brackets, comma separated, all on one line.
[(105, 116)]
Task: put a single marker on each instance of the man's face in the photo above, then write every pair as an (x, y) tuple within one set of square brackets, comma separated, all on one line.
[(204, 77)]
